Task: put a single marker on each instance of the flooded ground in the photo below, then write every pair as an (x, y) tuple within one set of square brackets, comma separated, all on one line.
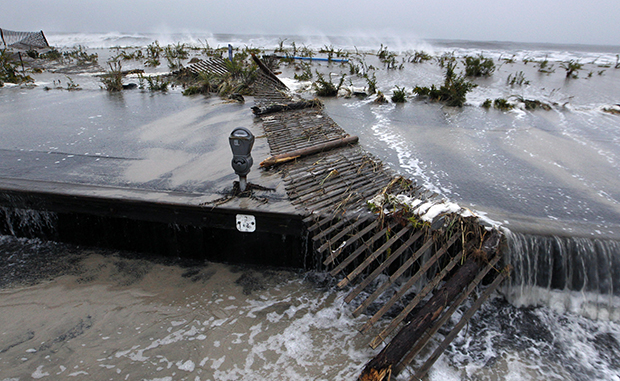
[(104, 315)]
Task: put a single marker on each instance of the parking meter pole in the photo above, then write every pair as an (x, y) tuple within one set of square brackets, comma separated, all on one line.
[(243, 183)]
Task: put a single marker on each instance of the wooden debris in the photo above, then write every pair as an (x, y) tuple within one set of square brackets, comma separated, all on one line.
[(279, 107), (402, 343), (289, 156)]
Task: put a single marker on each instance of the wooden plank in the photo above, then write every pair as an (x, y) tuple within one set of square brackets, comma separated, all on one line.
[(329, 230), (444, 318), (346, 230), (395, 255), (352, 240), (459, 326), (363, 247), (399, 294), (404, 267), (401, 344), (414, 302), (373, 257)]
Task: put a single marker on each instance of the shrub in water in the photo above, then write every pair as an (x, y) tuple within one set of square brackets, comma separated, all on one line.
[(398, 96), (478, 66), (454, 90)]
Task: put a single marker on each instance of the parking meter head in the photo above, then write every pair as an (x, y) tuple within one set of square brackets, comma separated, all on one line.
[(241, 142)]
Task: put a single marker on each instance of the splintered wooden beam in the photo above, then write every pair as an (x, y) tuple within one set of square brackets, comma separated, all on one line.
[(444, 318), (289, 156), (459, 326), (401, 344)]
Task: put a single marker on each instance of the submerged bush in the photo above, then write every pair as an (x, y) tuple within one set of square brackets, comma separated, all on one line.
[(478, 66), (517, 80), (153, 52), (502, 104), (154, 83), (419, 57), (80, 55), (306, 72), (453, 92), (113, 79), (9, 71), (372, 83), (324, 87), (398, 95), (572, 67)]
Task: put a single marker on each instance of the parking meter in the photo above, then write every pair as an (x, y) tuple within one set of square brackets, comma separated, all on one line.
[(241, 141)]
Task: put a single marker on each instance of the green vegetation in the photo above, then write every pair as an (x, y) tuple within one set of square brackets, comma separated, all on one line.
[(9, 71), (52, 55), (135, 55), (239, 79), (453, 92), (517, 80), (372, 83), (544, 67), (306, 72), (154, 83), (72, 86), (572, 67), (113, 80), (532, 104), (380, 99), (445, 59), (153, 53), (478, 66), (398, 95), (80, 56), (502, 104), (419, 57), (175, 54), (326, 88), (388, 58)]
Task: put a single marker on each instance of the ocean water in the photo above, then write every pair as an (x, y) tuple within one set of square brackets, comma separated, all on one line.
[(557, 173)]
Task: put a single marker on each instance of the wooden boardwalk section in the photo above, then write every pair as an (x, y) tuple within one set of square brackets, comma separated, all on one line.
[(417, 273)]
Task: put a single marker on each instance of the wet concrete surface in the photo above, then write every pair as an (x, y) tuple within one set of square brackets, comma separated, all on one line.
[(133, 144)]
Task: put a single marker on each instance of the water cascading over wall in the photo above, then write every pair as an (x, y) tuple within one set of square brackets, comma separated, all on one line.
[(580, 275)]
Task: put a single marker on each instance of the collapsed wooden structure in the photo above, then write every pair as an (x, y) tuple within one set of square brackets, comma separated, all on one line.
[(398, 260)]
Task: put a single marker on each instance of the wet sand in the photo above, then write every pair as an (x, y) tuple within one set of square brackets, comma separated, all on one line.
[(111, 316)]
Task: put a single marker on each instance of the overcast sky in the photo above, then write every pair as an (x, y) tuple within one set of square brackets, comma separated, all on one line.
[(562, 21)]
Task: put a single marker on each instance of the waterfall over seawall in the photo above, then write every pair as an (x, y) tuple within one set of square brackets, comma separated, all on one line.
[(580, 275)]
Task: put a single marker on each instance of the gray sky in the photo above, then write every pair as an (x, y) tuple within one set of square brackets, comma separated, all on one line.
[(562, 21)]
